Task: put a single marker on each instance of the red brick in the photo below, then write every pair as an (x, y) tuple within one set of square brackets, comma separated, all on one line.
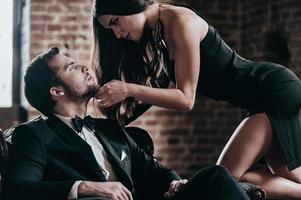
[(37, 45), (38, 7), (55, 44), (86, 27), (71, 1), (71, 28), (37, 27), (52, 27), (54, 9), (72, 8), (66, 37), (75, 18), (40, 36), (43, 18), (42, 1)]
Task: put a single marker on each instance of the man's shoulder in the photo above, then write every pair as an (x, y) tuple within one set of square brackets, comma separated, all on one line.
[(34, 125)]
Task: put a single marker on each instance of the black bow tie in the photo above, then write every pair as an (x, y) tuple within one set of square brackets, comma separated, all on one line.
[(78, 123)]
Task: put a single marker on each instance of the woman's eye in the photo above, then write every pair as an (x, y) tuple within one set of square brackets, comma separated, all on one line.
[(115, 21)]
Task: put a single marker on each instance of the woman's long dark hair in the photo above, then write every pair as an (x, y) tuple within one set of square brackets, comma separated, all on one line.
[(112, 58)]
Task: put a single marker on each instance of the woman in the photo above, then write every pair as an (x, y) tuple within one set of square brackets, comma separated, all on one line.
[(137, 42)]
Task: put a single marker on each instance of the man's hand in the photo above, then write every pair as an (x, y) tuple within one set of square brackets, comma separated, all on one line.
[(112, 93), (110, 190), (175, 186)]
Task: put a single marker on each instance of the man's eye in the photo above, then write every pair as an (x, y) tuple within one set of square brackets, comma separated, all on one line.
[(72, 67)]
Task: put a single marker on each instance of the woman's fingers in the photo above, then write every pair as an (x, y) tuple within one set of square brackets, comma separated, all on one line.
[(174, 187), (106, 102), (169, 194), (111, 93)]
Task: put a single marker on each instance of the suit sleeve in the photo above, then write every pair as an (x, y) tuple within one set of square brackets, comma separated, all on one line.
[(28, 161), (148, 174)]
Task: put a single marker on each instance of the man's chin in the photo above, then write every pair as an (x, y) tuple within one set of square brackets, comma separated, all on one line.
[(92, 90)]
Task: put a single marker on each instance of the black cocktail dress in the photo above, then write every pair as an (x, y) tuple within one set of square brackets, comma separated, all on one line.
[(254, 86)]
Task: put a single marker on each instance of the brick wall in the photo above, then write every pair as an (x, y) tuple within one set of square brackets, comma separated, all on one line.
[(261, 17), (184, 141), (62, 23)]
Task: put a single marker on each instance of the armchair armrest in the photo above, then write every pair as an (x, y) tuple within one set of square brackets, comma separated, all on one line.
[(142, 138)]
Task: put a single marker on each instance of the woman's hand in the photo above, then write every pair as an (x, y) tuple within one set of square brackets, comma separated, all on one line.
[(175, 186), (112, 92)]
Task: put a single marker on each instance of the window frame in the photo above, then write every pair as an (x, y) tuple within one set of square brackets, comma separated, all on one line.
[(16, 113)]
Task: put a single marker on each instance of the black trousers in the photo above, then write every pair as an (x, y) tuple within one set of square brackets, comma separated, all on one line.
[(211, 183)]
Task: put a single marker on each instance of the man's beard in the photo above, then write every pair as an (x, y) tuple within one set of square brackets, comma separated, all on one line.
[(75, 96)]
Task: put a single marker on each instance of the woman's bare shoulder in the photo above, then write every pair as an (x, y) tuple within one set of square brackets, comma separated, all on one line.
[(177, 19)]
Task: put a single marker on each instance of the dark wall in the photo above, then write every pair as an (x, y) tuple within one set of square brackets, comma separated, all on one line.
[(277, 19)]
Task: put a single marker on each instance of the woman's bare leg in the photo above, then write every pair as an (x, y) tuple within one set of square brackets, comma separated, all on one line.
[(251, 140), (275, 186), (276, 163)]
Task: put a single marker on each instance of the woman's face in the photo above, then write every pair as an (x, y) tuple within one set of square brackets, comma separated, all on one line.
[(129, 27)]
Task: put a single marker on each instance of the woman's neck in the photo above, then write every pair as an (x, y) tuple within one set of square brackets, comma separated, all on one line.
[(152, 15)]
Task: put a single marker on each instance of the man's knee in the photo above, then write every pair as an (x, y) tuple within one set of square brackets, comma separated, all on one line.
[(212, 172), (219, 172), (218, 169), (236, 175)]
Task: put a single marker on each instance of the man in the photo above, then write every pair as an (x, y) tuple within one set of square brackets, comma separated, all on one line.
[(64, 157)]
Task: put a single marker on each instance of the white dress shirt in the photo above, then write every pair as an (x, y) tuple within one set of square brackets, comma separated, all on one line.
[(100, 155)]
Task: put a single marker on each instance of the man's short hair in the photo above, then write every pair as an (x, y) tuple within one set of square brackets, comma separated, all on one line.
[(39, 78)]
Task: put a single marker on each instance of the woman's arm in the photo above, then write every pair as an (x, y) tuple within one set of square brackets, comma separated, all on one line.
[(115, 91), (171, 97), (184, 39)]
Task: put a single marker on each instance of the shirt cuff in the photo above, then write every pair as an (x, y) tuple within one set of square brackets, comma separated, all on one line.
[(73, 191)]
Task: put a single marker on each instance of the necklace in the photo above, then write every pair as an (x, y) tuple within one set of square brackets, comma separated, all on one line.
[(156, 33)]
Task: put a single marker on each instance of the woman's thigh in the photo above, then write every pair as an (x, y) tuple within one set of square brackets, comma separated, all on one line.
[(250, 142)]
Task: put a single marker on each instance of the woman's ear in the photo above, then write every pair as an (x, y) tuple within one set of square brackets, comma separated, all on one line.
[(56, 92)]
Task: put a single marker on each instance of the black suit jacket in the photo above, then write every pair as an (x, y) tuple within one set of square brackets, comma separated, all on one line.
[(47, 157)]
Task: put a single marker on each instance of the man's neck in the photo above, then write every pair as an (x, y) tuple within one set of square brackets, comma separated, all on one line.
[(71, 109)]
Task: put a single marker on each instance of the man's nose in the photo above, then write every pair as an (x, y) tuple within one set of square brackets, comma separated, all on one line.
[(84, 68)]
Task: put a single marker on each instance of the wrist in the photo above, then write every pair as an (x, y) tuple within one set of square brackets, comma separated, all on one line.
[(129, 89), (83, 189)]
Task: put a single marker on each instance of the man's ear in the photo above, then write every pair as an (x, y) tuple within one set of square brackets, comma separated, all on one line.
[(56, 92)]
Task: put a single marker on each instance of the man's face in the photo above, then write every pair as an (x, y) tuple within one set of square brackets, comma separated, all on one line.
[(79, 81)]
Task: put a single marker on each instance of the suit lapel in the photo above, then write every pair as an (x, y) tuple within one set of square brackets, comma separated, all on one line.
[(73, 139), (110, 136)]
